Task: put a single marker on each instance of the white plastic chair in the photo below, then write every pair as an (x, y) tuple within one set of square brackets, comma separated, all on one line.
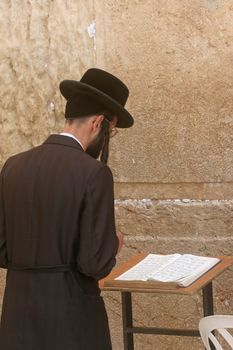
[(219, 323)]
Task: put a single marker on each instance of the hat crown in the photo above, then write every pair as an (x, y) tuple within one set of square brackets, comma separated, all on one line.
[(96, 92), (107, 83)]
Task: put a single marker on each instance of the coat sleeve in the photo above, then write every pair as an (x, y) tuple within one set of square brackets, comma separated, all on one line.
[(3, 251), (98, 242)]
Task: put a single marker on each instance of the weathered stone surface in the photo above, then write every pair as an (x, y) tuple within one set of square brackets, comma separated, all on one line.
[(178, 62), (148, 220), (139, 190), (42, 43)]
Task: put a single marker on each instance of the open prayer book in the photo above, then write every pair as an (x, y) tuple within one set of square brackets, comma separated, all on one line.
[(175, 269)]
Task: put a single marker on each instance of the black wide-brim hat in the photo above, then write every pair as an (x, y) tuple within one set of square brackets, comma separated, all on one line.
[(96, 92)]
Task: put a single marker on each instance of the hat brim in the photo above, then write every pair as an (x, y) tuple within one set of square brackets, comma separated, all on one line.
[(69, 88)]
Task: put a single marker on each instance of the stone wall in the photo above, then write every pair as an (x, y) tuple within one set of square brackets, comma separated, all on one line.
[(173, 169)]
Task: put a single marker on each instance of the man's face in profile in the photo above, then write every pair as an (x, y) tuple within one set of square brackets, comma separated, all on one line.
[(102, 140), (96, 146)]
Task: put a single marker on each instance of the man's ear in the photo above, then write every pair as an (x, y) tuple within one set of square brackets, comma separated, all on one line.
[(97, 121)]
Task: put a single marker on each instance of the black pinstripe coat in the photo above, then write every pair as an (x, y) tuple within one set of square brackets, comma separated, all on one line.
[(57, 239)]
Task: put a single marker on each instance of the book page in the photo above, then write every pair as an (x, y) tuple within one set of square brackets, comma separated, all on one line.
[(152, 263), (184, 270)]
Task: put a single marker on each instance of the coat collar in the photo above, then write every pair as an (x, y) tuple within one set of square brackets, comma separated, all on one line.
[(63, 140)]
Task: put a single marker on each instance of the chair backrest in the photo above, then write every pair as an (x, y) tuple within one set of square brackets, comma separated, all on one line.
[(219, 323)]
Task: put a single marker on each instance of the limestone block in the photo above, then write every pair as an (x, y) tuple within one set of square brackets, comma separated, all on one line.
[(178, 220), (163, 191), (42, 43), (177, 61)]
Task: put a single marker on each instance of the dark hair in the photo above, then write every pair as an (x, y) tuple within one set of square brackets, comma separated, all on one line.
[(108, 116), (100, 147)]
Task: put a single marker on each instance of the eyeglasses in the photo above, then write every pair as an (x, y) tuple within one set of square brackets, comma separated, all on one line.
[(113, 131)]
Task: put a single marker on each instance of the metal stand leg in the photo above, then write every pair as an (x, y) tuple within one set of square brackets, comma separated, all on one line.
[(208, 303), (127, 320), (128, 329)]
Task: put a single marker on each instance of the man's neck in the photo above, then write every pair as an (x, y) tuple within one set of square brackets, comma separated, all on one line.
[(73, 137), (78, 134)]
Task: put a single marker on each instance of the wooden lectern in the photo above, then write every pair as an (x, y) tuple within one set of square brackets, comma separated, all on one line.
[(204, 283)]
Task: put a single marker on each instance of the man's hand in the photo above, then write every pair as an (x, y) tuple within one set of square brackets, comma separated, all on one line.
[(121, 240)]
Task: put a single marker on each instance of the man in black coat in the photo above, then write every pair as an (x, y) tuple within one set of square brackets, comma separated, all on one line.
[(57, 228)]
